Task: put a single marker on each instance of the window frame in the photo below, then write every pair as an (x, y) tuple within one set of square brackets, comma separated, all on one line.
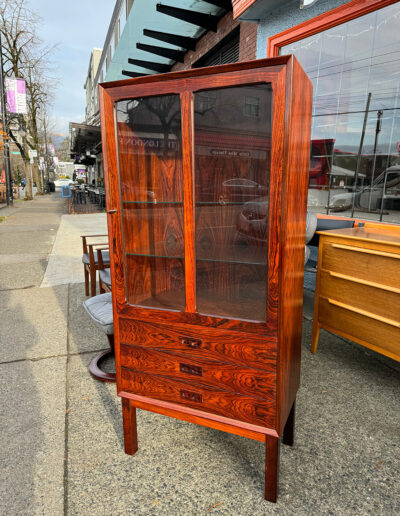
[(338, 16)]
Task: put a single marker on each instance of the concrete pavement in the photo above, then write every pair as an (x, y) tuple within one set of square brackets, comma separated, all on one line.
[(61, 431)]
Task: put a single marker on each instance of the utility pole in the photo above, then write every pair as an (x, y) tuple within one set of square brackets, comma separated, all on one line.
[(7, 168), (45, 153)]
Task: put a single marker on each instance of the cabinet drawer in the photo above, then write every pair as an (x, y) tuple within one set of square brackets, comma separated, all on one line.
[(230, 377), (358, 326), (383, 302), (207, 399), (367, 264), (214, 344)]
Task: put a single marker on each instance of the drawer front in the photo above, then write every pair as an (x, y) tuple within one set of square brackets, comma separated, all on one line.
[(214, 344), (231, 377), (383, 302), (207, 399), (362, 263), (356, 325)]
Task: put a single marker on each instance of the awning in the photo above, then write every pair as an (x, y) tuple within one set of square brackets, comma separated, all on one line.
[(85, 140)]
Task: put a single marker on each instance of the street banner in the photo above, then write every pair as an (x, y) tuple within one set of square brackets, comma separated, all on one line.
[(16, 95), (50, 149), (55, 160)]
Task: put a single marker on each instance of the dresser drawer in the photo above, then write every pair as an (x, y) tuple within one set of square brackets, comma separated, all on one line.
[(367, 264), (214, 344), (230, 377), (359, 326), (208, 399), (383, 301)]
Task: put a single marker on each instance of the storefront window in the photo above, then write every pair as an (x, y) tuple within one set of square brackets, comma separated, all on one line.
[(348, 64)]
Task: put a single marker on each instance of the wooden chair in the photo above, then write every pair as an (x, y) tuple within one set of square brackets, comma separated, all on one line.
[(90, 261), (104, 272)]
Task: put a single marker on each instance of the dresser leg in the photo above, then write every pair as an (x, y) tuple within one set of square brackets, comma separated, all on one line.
[(130, 429), (315, 337), (288, 431), (271, 468)]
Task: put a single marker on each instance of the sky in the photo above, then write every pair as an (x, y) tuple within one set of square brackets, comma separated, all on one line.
[(76, 26)]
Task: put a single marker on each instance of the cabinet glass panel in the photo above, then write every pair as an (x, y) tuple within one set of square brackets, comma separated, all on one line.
[(232, 131), (151, 179)]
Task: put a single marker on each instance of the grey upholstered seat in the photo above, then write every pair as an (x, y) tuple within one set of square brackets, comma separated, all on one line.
[(105, 255), (100, 310), (311, 226), (105, 276)]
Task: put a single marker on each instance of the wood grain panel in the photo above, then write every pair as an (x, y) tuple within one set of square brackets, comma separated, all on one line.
[(294, 207), (362, 296), (217, 401), (360, 328), (156, 282), (215, 344), (154, 229), (198, 417), (200, 371)]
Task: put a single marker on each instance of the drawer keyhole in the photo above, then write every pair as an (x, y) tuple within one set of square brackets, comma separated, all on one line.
[(191, 369), (190, 343), (191, 396)]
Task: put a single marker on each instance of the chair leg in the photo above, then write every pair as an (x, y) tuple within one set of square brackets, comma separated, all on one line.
[(92, 282), (86, 281)]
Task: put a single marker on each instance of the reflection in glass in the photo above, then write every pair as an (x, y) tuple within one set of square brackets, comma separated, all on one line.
[(150, 166), (345, 63), (232, 159)]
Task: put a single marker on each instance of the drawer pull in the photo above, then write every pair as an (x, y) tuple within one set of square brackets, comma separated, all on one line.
[(191, 396), (191, 343), (191, 369), (364, 313), (366, 251)]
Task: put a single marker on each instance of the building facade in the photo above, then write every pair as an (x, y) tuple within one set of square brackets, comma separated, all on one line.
[(349, 49)]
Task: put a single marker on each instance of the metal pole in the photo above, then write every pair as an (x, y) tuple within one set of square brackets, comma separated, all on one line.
[(377, 131), (7, 168), (359, 154)]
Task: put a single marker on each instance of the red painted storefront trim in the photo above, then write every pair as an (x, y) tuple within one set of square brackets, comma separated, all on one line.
[(324, 21)]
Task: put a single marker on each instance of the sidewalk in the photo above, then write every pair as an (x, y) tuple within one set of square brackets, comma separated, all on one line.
[(61, 431)]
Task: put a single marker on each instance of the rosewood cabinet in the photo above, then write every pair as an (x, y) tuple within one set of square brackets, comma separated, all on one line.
[(206, 175)]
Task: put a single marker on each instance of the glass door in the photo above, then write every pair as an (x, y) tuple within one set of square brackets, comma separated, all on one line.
[(232, 141), (151, 190)]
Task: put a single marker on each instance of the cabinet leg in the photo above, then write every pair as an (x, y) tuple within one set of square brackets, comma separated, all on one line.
[(130, 428), (288, 431), (315, 337), (271, 468)]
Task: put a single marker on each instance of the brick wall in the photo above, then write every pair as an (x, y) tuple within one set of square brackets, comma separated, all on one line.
[(247, 46)]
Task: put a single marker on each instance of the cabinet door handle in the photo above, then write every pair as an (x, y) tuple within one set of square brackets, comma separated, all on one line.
[(191, 396), (112, 211), (190, 343), (191, 369)]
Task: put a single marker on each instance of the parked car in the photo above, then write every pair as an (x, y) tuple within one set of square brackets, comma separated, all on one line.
[(62, 181)]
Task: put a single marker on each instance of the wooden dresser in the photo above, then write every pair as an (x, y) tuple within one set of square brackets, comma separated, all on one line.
[(206, 178), (358, 288)]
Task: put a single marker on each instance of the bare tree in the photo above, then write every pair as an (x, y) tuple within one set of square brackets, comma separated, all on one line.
[(26, 57)]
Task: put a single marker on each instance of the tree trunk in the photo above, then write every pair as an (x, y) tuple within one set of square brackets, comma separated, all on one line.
[(28, 181), (38, 178)]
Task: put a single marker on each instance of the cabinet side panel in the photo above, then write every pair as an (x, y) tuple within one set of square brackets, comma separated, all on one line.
[(294, 207)]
